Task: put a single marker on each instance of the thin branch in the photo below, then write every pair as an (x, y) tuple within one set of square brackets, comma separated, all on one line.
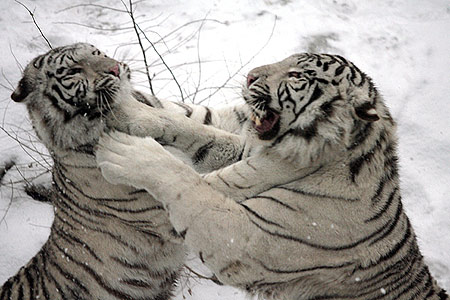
[(24, 147), (24, 179), (98, 6), (243, 65), (93, 5), (130, 13), (94, 27), (27, 180), (4, 113), (41, 226), (140, 31), (189, 23), (35, 23), (165, 64), (199, 61), (9, 205), (177, 66), (19, 65), (163, 39), (11, 86)]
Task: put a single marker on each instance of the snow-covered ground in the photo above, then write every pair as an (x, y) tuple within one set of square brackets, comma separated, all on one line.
[(404, 45)]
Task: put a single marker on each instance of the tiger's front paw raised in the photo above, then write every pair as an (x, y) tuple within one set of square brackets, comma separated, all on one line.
[(138, 162), (126, 159)]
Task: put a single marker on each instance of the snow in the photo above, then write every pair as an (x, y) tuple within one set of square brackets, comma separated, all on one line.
[(403, 45)]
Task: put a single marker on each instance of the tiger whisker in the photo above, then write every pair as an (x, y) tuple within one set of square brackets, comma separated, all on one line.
[(111, 96)]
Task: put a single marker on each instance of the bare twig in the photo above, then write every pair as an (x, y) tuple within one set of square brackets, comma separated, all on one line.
[(199, 61), (94, 27), (24, 147), (37, 225), (27, 180), (139, 31), (19, 65), (204, 20), (11, 86), (35, 23), (130, 12), (87, 5), (165, 64), (4, 113), (243, 65), (9, 205)]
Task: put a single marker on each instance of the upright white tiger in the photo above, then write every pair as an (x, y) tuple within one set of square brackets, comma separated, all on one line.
[(314, 211), (106, 241)]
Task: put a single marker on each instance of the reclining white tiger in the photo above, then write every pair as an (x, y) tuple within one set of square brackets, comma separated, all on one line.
[(314, 212), (106, 241)]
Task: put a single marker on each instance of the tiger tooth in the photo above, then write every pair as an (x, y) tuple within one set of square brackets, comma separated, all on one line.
[(372, 112), (256, 120)]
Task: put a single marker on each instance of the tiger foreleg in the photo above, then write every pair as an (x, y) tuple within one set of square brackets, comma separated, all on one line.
[(120, 158), (198, 212), (208, 147)]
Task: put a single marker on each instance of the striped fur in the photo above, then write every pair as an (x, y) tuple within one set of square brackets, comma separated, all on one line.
[(221, 143), (106, 241), (314, 211)]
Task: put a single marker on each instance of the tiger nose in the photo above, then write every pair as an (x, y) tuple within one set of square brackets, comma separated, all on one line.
[(115, 70), (251, 79)]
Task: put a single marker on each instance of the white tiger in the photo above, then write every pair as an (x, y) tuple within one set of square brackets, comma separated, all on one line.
[(106, 241), (313, 212)]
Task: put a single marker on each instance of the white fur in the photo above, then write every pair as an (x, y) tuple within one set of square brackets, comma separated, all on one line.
[(314, 215)]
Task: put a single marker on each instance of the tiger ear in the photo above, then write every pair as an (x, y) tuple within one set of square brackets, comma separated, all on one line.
[(367, 112), (22, 91)]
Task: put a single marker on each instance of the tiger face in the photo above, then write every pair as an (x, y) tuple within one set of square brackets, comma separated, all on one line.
[(311, 100), (77, 79), (292, 93), (68, 90)]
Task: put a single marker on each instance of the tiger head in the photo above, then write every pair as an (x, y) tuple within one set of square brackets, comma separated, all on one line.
[(68, 90), (307, 104)]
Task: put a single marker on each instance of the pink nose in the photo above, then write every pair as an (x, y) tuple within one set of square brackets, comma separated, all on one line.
[(114, 70), (251, 79)]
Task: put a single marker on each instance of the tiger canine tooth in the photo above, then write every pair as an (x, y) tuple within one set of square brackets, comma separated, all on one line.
[(256, 120)]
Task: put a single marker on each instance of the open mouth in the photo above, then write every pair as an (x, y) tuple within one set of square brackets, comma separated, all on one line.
[(267, 126)]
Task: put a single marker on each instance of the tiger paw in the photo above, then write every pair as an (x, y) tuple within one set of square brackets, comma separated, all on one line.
[(122, 160)]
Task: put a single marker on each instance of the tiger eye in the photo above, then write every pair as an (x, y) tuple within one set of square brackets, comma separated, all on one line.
[(294, 74), (74, 71), (61, 70)]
